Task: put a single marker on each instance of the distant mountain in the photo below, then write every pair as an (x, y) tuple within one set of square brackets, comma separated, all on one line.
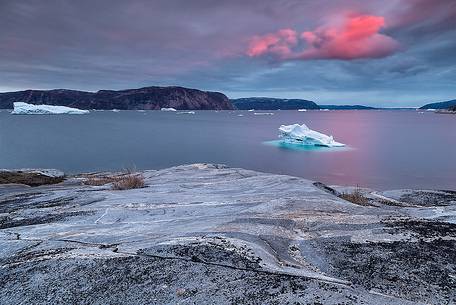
[(148, 98), (266, 103), (347, 107), (441, 105)]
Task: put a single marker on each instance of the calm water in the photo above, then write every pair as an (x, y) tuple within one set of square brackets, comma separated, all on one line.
[(387, 149)]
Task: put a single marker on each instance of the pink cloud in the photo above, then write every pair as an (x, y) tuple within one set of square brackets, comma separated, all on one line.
[(357, 37), (279, 43)]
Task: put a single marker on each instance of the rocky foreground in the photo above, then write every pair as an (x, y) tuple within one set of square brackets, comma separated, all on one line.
[(206, 234)]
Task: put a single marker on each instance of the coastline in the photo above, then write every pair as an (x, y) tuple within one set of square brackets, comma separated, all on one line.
[(206, 233)]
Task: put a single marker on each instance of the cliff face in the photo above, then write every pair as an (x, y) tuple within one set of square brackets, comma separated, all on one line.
[(264, 103), (148, 98)]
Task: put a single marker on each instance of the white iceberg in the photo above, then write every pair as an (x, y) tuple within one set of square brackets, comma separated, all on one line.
[(302, 110), (24, 108), (303, 135), (168, 109)]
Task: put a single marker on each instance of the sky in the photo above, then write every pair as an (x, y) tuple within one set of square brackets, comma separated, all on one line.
[(389, 53)]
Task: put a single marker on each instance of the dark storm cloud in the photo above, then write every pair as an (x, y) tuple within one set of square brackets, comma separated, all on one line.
[(203, 43)]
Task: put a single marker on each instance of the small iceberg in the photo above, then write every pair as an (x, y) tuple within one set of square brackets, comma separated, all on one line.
[(115, 110), (168, 109), (24, 108), (303, 135), (186, 112), (302, 110)]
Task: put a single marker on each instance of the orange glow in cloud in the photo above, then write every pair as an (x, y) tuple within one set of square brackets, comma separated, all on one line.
[(357, 37)]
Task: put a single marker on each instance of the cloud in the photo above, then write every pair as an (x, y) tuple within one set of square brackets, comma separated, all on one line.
[(108, 44), (356, 37), (275, 43)]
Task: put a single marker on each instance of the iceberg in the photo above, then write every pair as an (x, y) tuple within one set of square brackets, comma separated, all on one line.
[(24, 108), (303, 135), (186, 112), (263, 113), (168, 109), (302, 110)]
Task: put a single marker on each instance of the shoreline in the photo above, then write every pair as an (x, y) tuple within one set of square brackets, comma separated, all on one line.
[(206, 233)]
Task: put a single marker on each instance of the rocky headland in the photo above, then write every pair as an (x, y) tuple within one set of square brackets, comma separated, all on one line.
[(266, 103), (440, 105), (208, 234), (147, 98)]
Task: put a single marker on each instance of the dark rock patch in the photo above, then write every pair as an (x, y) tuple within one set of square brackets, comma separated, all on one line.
[(420, 228), (419, 271), (11, 221), (29, 177), (25, 201), (326, 188), (428, 199), (221, 253), (151, 280)]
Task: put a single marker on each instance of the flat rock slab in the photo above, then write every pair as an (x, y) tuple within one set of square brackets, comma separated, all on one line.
[(207, 234)]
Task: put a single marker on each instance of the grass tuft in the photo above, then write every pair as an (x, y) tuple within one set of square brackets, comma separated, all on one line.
[(355, 197), (129, 181)]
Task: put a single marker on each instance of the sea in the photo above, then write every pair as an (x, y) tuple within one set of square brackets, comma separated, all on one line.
[(385, 149)]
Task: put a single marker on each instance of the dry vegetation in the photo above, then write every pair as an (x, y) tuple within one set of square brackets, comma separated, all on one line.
[(355, 197), (128, 180)]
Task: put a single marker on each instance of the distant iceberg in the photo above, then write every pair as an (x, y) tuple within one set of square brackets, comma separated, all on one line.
[(263, 113), (168, 109), (303, 135), (186, 112), (302, 110), (24, 108)]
